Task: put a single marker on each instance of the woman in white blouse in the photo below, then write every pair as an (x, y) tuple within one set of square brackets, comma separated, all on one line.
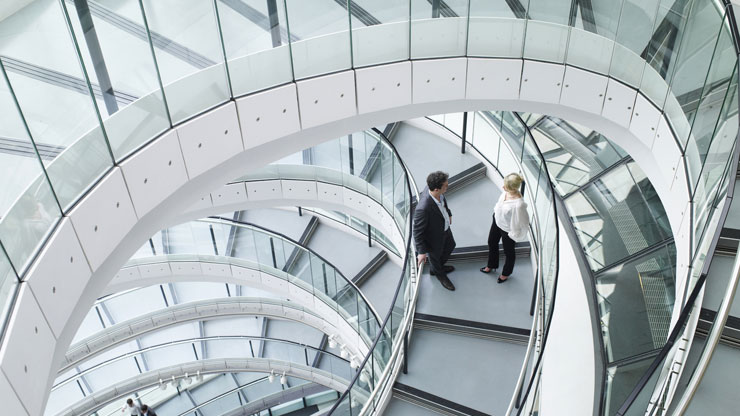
[(510, 224)]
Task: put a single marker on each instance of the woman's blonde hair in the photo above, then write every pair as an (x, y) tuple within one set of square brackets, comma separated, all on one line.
[(513, 182)]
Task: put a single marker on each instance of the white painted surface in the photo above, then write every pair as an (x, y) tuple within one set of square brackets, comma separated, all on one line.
[(541, 82), (27, 355), (103, 218), (499, 78), (568, 370), (210, 139), (268, 115), (61, 276), (150, 173), (383, 87), (326, 99), (439, 80)]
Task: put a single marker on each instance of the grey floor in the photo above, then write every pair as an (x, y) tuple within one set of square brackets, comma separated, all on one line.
[(478, 373), (286, 222), (478, 297), (380, 287), (472, 209), (716, 284), (346, 250), (421, 158), (398, 407)]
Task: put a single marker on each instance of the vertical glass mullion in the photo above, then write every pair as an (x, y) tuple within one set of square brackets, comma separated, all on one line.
[(83, 70), (154, 59), (223, 47)]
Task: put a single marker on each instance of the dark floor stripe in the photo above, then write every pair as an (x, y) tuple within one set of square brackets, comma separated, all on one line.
[(471, 324), (442, 402)]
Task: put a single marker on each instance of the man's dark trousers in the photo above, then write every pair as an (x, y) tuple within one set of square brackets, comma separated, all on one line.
[(437, 260), (430, 235)]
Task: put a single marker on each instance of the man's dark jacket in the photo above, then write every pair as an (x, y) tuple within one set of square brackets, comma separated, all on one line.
[(429, 224)]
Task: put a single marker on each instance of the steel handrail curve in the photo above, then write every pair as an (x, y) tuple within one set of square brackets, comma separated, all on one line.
[(188, 341), (297, 244), (409, 250), (84, 344)]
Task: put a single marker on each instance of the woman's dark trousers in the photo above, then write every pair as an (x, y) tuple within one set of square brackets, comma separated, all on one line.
[(494, 236)]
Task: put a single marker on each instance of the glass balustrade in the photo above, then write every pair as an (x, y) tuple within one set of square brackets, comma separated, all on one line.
[(170, 357), (251, 247)]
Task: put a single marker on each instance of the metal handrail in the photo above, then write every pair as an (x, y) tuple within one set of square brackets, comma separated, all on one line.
[(409, 250), (188, 341)]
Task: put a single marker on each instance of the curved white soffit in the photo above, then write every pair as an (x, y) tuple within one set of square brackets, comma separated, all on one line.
[(274, 193), (210, 366), (200, 271), (206, 310), (121, 211)]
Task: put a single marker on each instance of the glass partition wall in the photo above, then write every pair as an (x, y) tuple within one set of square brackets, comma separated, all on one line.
[(98, 80)]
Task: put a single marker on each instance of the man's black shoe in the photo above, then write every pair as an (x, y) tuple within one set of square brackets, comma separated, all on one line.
[(446, 283)]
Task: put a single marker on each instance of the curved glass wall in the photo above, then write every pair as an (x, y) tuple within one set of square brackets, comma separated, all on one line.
[(255, 248)]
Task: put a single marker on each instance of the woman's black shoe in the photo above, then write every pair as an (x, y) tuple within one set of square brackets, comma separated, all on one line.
[(490, 269), (500, 280)]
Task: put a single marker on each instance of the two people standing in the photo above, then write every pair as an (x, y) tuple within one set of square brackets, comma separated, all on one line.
[(433, 236)]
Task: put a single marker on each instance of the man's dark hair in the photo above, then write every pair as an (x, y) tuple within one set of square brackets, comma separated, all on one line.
[(435, 180), (129, 402), (144, 408)]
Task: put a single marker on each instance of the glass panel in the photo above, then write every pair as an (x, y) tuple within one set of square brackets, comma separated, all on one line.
[(189, 55), (621, 380), (574, 154), (320, 37), (636, 22), (120, 66), (57, 106), (695, 56), (710, 105), (28, 209), (438, 29), (635, 302), (380, 31), (255, 34), (613, 219), (496, 28)]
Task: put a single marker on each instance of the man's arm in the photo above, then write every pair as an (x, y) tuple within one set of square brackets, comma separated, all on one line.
[(419, 230)]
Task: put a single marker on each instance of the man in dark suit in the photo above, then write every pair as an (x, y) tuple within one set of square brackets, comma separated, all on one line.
[(432, 233), (146, 411)]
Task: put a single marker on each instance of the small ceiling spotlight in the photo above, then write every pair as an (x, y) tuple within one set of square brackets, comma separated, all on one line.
[(198, 376), (332, 341), (353, 363), (271, 377), (283, 379), (344, 353), (188, 380), (364, 377), (173, 382), (162, 384)]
